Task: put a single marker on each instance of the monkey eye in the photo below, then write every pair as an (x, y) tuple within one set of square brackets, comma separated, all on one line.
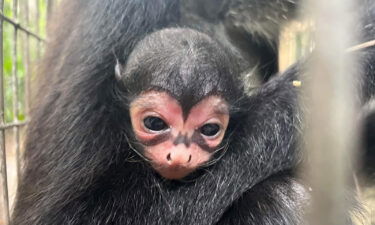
[(210, 129), (153, 123)]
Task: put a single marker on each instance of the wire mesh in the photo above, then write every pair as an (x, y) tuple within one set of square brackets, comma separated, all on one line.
[(21, 41)]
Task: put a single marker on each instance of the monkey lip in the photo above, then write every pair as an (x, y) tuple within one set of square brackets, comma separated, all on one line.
[(174, 172)]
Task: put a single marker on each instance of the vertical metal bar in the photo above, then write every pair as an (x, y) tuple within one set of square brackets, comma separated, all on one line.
[(27, 60), (16, 131), (3, 167), (37, 17), (330, 96)]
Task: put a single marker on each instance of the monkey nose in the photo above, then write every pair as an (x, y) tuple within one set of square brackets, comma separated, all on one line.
[(176, 158)]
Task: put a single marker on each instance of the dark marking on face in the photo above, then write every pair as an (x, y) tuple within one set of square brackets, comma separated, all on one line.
[(182, 139), (158, 139), (199, 140), (188, 100)]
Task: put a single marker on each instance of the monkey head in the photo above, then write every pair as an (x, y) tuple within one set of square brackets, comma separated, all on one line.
[(180, 87)]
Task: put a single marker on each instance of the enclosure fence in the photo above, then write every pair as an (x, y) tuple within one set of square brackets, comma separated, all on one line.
[(22, 35)]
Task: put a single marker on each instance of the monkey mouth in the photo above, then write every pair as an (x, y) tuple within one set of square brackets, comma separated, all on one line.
[(174, 172)]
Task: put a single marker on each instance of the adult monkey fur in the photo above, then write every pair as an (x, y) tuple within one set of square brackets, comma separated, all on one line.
[(80, 164)]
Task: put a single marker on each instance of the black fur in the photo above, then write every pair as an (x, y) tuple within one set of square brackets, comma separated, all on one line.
[(80, 167), (367, 64)]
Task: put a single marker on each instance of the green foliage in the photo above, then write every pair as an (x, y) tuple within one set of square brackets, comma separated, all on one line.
[(37, 25)]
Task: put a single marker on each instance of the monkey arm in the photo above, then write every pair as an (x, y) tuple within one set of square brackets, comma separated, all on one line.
[(259, 18), (249, 27), (281, 199)]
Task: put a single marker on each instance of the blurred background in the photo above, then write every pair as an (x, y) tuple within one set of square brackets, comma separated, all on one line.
[(23, 26)]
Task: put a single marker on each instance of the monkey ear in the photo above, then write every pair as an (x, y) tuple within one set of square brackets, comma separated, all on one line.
[(118, 70)]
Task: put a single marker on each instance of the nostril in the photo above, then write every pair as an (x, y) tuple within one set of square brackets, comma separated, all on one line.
[(169, 157), (189, 158)]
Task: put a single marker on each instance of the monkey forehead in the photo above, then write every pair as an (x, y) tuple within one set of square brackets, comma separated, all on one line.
[(188, 64), (149, 100)]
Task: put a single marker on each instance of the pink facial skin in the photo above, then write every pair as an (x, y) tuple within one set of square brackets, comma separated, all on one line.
[(171, 160)]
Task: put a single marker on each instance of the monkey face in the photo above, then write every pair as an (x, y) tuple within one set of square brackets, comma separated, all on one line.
[(176, 144)]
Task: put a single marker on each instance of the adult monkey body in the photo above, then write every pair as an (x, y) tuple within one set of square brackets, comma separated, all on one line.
[(80, 165)]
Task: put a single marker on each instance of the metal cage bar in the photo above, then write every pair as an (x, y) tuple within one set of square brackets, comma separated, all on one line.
[(27, 58), (16, 131), (20, 27), (37, 18), (4, 183), (331, 133)]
